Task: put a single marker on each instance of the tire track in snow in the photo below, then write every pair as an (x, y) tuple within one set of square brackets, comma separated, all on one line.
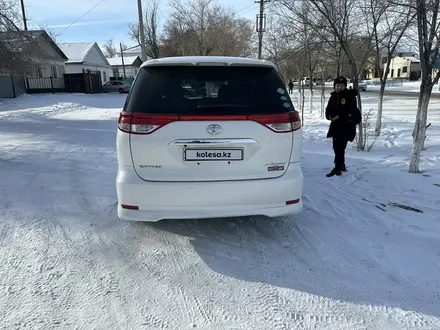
[(216, 238), (363, 263), (6, 234), (107, 288), (301, 310), (370, 268), (37, 282), (44, 282), (180, 251), (137, 273)]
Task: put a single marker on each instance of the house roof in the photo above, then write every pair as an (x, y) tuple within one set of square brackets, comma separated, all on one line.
[(76, 52), (128, 60), (412, 59), (17, 39)]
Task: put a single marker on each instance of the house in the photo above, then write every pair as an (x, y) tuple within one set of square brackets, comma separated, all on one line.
[(131, 66), (405, 67), (397, 64), (85, 56), (33, 53), (133, 51)]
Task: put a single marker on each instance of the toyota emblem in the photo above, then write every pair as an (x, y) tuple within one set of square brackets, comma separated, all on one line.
[(214, 129)]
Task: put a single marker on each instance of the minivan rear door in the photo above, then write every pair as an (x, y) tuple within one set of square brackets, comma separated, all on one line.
[(214, 123)]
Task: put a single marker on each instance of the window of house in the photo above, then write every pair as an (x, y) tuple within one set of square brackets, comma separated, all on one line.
[(54, 71), (405, 69), (392, 73), (384, 60), (105, 75), (39, 72)]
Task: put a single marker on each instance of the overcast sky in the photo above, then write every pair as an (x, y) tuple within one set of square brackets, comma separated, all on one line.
[(108, 20)]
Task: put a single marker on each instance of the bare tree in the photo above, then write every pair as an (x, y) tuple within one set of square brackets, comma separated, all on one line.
[(20, 51), (276, 48), (201, 21), (428, 36), (9, 18), (235, 36), (110, 49), (307, 42), (390, 23), (151, 30), (199, 27), (342, 20)]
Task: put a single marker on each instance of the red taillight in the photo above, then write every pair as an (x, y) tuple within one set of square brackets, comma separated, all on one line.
[(137, 123), (279, 123), (291, 202)]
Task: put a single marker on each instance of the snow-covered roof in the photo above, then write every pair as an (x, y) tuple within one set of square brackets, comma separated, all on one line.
[(208, 60), (117, 61), (15, 41), (412, 59), (76, 52)]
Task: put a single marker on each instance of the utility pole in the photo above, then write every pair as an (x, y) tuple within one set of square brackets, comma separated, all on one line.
[(122, 55), (141, 30), (261, 25), (24, 15)]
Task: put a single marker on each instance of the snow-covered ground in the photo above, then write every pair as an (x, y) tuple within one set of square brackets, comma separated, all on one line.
[(393, 86), (407, 86), (352, 260)]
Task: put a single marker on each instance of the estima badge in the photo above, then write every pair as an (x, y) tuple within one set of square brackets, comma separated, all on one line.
[(214, 129)]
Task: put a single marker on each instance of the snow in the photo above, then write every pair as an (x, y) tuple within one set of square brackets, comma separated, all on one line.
[(76, 52), (406, 86), (412, 59), (128, 60), (392, 86), (351, 260)]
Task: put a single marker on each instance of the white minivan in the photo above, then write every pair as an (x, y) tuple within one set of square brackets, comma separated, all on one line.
[(208, 137)]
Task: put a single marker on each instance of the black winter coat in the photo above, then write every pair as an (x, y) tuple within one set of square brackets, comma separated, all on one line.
[(344, 105)]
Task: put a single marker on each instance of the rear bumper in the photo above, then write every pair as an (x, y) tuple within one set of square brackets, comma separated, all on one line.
[(190, 200)]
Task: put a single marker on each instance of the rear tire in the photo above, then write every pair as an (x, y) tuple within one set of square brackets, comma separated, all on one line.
[(120, 90)]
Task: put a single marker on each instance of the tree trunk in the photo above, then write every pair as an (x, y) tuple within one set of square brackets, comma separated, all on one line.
[(383, 83), (360, 145), (311, 96), (419, 133), (360, 135), (323, 102), (302, 101), (379, 107)]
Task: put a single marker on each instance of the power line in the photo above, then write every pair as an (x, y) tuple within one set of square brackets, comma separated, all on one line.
[(245, 9), (88, 11)]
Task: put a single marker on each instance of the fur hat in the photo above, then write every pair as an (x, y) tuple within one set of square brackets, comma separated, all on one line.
[(340, 80)]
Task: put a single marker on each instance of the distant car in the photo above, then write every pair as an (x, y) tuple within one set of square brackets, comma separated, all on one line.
[(305, 81), (208, 137), (362, 85), (116, 86)]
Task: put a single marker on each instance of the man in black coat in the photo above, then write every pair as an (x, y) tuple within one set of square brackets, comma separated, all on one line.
[(290, 86), (344, 115)]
